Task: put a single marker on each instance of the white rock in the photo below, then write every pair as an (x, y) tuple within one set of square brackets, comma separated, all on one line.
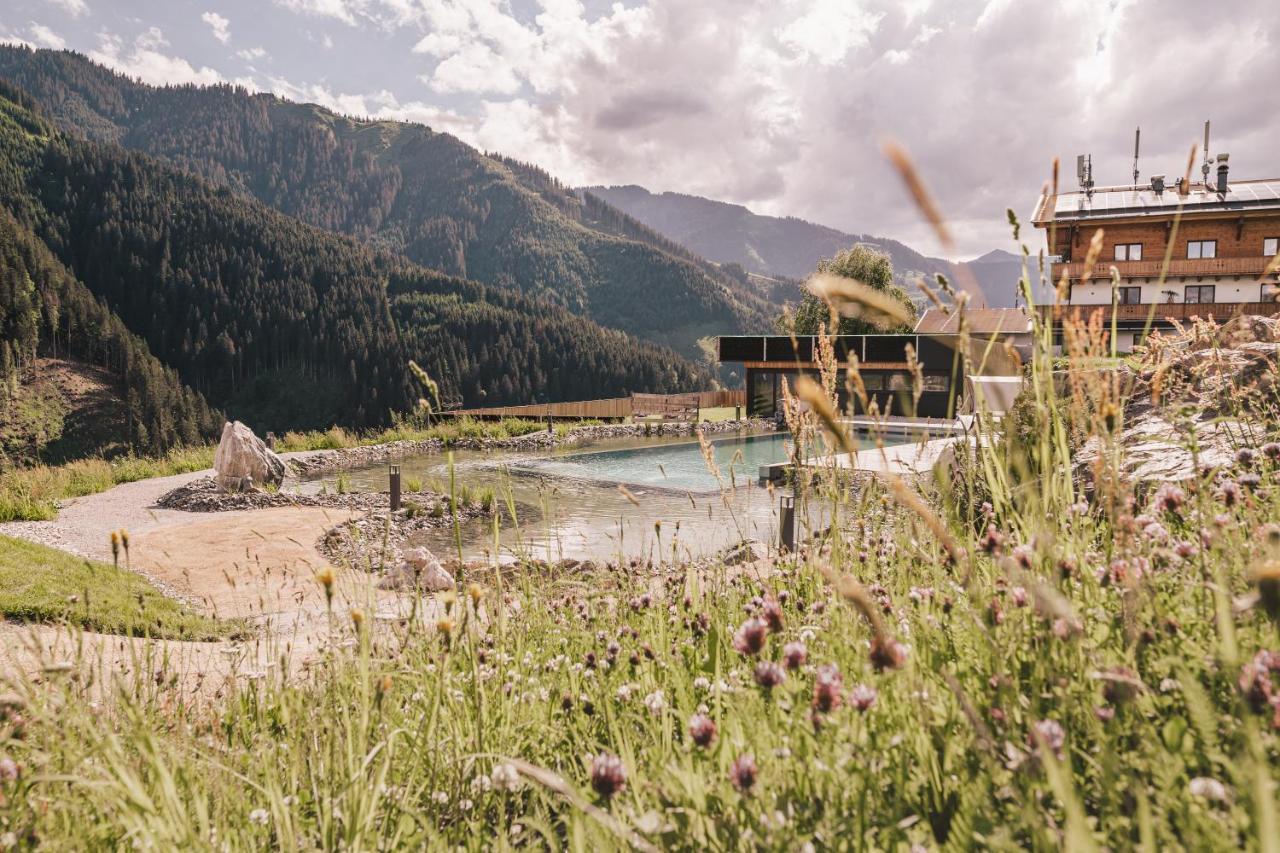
[(421, 564), (242, 459)]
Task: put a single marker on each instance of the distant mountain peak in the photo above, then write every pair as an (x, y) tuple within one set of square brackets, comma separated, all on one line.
[(787, 246), (996, 256)]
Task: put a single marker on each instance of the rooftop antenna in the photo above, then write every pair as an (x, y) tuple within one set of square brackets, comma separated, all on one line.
[(1204, 169), (1084, 173), (1137, 137)]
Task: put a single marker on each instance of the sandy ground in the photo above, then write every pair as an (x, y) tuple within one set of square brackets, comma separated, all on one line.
[(257, 565)]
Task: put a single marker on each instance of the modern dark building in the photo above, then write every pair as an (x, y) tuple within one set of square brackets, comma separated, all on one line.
[(770, 360)]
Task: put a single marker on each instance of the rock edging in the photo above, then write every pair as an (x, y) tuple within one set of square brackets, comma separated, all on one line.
[(325, 461)]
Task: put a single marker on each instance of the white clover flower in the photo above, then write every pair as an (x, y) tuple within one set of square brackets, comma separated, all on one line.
[(1208, 789), (440, 797), (259, 816), (625, 691), (465, 805), (480, 784), (656, 702), (702, 683), (505, 777), (1169, 685)]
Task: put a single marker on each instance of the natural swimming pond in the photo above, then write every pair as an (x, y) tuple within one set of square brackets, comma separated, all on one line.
[(671, 466), (568, 502)]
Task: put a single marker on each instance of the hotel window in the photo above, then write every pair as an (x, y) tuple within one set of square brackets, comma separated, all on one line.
[(1271, 246), (1202, 249), (873, 381), (1128, 251), (1130, 295), (937, 382), (1197, 294)]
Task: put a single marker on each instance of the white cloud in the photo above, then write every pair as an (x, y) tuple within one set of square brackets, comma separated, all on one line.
[(346, 11), (474, 68), (252, 54), (15, 40), (145, 61), (780, 104), (152, 39), (45, 37), (74, 8), (829, 30), (220, 26)]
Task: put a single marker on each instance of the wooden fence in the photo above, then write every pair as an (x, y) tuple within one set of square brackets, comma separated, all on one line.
[(616, 408)]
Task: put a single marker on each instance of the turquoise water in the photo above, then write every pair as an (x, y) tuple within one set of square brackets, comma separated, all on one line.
[(569, 502), (671, 466)]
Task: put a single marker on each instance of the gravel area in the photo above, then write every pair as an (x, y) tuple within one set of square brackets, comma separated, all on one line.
[(205, 495), (84, 525)]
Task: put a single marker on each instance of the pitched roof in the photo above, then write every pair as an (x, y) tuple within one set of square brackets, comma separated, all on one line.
[(981, 321), (1114, 202)]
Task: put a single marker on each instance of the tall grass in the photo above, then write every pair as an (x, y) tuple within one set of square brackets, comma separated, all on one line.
[(32, 493), (447, 431), (1000, 658)]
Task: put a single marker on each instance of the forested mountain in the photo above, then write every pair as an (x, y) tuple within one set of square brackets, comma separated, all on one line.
[(44, 309), (278, 322), (786, 246), (404, 188)]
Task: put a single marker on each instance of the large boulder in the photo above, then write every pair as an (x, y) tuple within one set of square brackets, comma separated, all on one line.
[(1216, 383), (418, 568), (243, 460)]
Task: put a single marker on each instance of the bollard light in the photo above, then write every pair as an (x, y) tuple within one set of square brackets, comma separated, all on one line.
[(787, 522), (395, 487)]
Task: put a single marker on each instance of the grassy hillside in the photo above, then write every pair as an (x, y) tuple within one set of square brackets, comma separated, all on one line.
[(39, 584), (400, 186)]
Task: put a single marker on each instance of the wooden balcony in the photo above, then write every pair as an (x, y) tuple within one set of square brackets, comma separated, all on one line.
[(1162, 312), (1177, 268)]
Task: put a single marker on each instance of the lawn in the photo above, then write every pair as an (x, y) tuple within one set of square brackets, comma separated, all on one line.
[(39, 584)]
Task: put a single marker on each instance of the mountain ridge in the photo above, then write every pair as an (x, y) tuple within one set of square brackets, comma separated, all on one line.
[(789, 246), (401, 187), (266, 316)]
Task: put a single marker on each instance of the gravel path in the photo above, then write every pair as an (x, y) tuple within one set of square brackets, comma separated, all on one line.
[(84, 525)]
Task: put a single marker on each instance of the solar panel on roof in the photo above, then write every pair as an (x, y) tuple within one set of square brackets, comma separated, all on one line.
[(1116, 200)]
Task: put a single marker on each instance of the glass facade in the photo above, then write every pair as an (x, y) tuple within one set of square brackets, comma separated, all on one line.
[(890, 389)]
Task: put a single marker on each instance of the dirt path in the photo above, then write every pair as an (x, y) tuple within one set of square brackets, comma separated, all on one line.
[(259, 565)]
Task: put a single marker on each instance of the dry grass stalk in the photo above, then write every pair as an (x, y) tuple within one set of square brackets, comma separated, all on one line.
[(910, 499), (924, 199), (849, 298)]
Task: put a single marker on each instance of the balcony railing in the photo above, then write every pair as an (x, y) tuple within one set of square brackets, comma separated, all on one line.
[(1163, 311), (1177, 268)]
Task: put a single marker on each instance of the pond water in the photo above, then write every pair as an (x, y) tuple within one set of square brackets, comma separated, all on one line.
[(568, 501)]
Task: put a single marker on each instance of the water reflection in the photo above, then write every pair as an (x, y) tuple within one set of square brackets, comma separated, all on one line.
[(558, 517)]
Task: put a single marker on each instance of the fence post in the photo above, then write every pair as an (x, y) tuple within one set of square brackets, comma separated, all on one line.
[(787, 522), (395, 487)]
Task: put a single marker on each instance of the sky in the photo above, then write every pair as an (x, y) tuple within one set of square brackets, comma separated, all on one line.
[(780, 105)]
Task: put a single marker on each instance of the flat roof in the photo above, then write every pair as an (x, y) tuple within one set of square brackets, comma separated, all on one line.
[(1117, 202), (981, 321)]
